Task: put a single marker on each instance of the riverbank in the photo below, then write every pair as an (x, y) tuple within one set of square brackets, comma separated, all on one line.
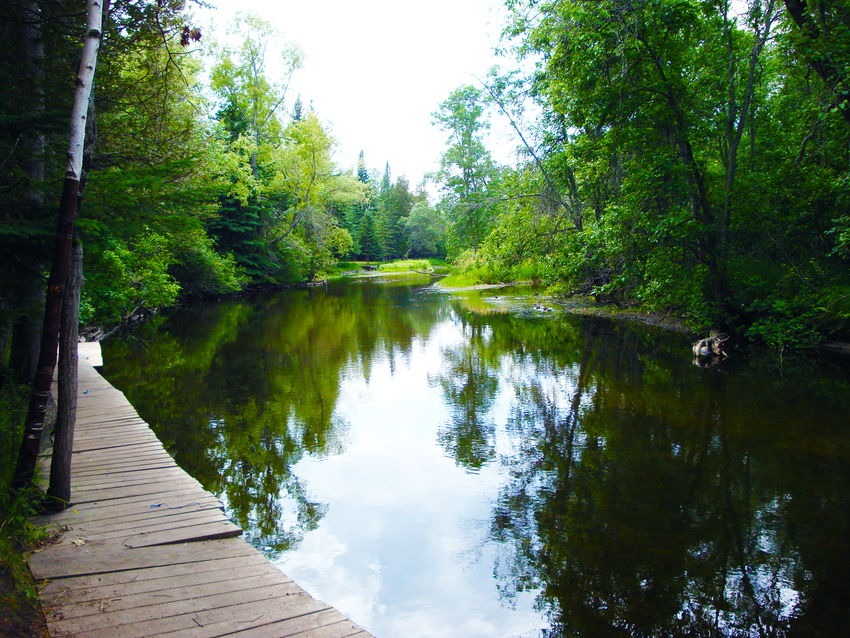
[(588, 306), (580, 305)]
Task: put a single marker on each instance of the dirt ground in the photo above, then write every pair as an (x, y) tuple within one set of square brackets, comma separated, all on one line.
[(20, 617)]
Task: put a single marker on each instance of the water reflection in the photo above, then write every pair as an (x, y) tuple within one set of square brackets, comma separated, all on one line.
[(622, 489)]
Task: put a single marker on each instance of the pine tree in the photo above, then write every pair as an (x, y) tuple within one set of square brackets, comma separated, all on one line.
[(362, 171), (370, 244), (298, 109)]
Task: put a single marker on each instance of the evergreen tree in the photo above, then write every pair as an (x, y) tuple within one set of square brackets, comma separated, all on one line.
[(298, 109), (370, 243), (362, 171)]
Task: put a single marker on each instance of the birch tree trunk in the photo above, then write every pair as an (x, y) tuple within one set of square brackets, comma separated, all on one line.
[(34, 424)]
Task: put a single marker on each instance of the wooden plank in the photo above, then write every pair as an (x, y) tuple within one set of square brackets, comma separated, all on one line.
[(159, 617), (185, 485), (152, 525), (115, 439), (98, 557), (123, 468), (128, 453), (246, 588), (267, 623), (75, 590), (146, 521), (135, 576), (127, 507), (111, 462), (127, 479), (242, 614), (186, 534), (110, 424), (131, 516), (99, 446), (97, 412)]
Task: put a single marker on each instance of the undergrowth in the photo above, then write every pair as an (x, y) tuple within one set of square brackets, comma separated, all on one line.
[(18, 592)]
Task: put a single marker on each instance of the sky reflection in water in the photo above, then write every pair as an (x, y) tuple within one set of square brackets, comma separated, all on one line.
[(405, 547)]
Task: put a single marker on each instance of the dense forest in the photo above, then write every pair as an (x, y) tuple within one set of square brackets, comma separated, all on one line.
[(687, 156), (691, 157)]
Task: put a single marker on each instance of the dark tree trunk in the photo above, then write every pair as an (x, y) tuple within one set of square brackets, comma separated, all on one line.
[(26, 337), (63, 440), (63, 437), (34, 424), (26, 328)]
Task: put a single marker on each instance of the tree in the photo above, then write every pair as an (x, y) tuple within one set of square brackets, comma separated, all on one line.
[(362, 170), (298, 110), (467, 171), (250, 101), (62, 260), (671, 163), (423, 229), (370, 244), (309, 186)]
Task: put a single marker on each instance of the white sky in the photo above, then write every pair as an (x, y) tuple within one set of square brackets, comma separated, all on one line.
[(377, 69)]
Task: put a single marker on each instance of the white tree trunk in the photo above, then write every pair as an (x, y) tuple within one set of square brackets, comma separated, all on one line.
[(83, 88)]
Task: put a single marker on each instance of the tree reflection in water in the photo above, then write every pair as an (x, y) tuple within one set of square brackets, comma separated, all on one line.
[(240, 392), (639, 495), (645, 499)]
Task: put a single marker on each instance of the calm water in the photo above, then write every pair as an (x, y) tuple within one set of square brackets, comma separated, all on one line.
[(435, 465)]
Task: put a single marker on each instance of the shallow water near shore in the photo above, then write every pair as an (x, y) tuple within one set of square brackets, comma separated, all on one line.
[(481, 465)]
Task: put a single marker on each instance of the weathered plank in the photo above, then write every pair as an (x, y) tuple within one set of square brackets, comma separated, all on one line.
[(208, 530), (185, 485), (167, 600), (124, 514), (150, 521), (288, 596), (99, 557), (85, 588), (127, 479), (270, 624), (142, 506)]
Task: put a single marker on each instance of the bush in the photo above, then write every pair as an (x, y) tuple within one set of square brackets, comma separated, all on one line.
[(16, 507), (406, 265), (201, 271)]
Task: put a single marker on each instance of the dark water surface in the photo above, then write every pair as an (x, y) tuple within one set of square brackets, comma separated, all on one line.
[(435, 465)]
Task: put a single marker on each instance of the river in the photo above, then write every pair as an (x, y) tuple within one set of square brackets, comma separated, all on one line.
[(470, 465)]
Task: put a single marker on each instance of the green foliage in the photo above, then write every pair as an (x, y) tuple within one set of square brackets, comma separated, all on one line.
[(467, 175), (127, 276), (370, 243), (405, 265), (16, 506), (424, 229), (201, 271)]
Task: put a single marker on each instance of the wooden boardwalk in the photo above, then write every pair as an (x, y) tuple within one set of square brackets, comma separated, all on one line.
[(146, 551)]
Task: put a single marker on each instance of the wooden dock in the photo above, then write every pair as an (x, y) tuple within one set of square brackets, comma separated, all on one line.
[(146, 551)]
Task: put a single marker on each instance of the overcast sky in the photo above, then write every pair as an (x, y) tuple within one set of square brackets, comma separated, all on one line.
[(377, 69)]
